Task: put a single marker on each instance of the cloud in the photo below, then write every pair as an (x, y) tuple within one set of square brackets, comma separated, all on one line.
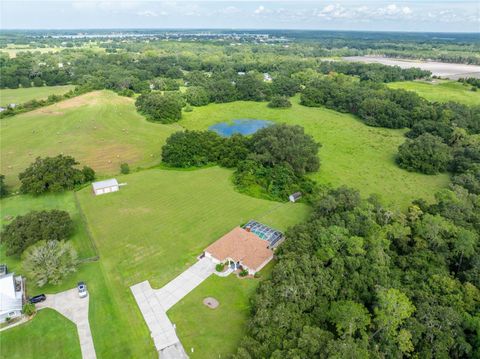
[(148, 13), (259, 10)]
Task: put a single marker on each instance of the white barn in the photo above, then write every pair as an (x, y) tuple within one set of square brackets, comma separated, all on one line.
[(12, 296), (107, 186)]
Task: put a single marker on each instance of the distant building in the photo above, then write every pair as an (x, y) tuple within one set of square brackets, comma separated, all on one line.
[(2, 109), (295, 196), (12, 296), (12, 105), (107, 186), (267, 77), (241, 73)]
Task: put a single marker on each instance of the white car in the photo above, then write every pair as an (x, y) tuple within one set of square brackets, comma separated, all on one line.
[(82, 289)]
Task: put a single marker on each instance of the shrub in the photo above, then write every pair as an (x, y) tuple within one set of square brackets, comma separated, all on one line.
[(243, 273), (279, 102), (188, 108), (29, 309), (48, 262), (219, 267), (3, 187), (25, 230), (124, 168)]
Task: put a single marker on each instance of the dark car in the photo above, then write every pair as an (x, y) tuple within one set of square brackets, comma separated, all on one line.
[(38, 298)]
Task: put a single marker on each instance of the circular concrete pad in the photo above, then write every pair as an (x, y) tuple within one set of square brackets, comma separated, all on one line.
[(211, 302)]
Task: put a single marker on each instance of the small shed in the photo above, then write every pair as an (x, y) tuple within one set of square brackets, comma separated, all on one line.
[(295, 196), (107, 186)]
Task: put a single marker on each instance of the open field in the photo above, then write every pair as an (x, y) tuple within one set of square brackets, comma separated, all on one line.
[(157, 225), (48, 335), (441, 91), (99, 129), (352, 154), (12, 52), (215, 333), (21, 95), (443, 69)]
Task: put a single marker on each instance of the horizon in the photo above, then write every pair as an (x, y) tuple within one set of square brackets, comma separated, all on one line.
[(234, 29), (441, 16)]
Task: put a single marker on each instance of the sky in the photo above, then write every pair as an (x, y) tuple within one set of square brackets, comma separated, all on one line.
[(373, 15)]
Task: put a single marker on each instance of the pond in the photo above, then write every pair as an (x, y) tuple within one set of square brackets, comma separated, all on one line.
[(244, 126)]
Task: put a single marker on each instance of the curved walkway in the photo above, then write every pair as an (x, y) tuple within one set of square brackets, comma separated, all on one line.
[(154, 303), (73, 307)]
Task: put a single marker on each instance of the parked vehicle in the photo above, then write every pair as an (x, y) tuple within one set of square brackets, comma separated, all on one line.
[(82, 289), (38, 298)]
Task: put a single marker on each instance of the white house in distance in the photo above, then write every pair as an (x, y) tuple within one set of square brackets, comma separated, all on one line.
[(12, 296), (107, 186)]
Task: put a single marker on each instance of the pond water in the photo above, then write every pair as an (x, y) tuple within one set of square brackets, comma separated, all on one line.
[(244, 126)]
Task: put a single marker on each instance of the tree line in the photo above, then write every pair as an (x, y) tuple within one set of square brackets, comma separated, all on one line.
[(359, 281), (441, 134), (272, 163)]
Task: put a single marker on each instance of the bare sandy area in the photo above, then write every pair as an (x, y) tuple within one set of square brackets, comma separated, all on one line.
[(443, 69)]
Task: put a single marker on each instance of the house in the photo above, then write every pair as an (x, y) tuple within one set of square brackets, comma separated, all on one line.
[(241, 249), (12, 296), (107, 186), (295, 196)]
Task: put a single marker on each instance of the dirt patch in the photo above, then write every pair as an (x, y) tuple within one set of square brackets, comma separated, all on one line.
[(211, 302)]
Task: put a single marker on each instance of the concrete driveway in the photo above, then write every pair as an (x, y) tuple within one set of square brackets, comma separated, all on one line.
[(154, 303), (73, 307)]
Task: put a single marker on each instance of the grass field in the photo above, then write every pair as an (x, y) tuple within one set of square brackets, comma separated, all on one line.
[(215, 333), (352, 154), (48, 335), (21, 95), (157, 225), (99, 129), (441, 91)]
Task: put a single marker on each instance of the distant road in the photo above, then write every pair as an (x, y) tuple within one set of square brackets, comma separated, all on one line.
[(443, 69)]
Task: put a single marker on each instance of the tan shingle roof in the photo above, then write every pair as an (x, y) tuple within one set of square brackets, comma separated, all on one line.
[(241, 246)]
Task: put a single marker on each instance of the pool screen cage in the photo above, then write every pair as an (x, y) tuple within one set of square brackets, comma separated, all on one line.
[(264, 232)]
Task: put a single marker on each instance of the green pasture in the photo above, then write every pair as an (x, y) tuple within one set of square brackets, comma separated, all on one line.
[(48, 335), (21, 95), (100, 129), (352, 153), (441, 91)]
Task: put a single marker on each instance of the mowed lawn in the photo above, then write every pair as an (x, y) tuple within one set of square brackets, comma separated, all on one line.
[(48, 335), (156, 226), (100, 129), (215, 333), (352, 153), (441, 91), (21, 95)]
